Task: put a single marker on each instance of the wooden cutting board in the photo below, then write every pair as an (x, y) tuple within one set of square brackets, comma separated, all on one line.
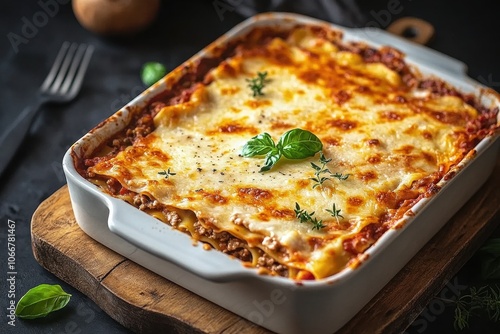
[(143, 301)]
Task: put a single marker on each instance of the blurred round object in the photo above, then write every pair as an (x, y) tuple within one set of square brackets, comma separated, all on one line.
[(151, 72), (412, 28), (115, 17)]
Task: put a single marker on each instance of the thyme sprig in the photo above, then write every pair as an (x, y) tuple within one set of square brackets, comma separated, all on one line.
[(486, 298), (320, 170), (319, 179), (167, 173), (335, 212), (305, 217), (340, 176), (258, 83)]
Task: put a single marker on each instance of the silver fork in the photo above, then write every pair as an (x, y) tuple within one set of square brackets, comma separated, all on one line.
[(61, 85)]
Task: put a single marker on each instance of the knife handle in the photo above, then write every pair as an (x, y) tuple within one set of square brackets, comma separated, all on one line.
[(12, 138)]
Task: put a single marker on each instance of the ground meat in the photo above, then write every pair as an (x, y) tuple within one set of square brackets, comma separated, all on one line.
[(265, 261), (172, 217), (227, 243), (114, 186), (142, 128), (141, 125), (388, 56), (364, 239), (234, 244), (271, 243), (184, 96), (143, 202), (438, 87), (242, 254), (155, 107)]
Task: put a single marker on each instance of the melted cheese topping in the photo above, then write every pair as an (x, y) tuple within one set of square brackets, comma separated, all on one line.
[(387, 137)]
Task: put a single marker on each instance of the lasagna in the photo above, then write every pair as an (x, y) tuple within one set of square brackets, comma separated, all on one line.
[(387, 136)]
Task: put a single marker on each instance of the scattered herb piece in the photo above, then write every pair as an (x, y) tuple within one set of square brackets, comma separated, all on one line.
[(486, 298), (151, 72), (317, 224), (293, 144), (483, 299), (340, 176), (334, 212), (257, 84), (166, 173), (305, 217), (318, 179), (320, 170), (302, 215), (41, 300)]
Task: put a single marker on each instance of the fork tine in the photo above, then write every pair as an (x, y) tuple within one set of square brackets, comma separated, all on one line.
[(64, 67), (55, 66), (82, 70), (74, 65)]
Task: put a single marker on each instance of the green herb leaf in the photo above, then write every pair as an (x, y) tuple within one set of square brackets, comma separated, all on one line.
[(293, 144), (335, 212), (305, 217), (340, 176), (319, 180), (271, 159), (152, 72), (257, 84), (41, 300), (317, 224), (166, 173), (484, 298), (299, 144), (258, 145)]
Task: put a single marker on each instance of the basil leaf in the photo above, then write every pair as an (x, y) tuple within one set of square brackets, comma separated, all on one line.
[(299, 144), (271, 159), (41, 300), (258, 145), (293, 144), (151, 72)]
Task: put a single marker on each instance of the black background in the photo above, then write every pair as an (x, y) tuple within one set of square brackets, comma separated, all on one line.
[(467, 31)]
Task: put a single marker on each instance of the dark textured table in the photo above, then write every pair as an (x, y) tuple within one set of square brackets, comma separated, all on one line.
[(30, 41)]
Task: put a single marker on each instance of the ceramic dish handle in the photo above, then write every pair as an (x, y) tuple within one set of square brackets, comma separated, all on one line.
[(141, 230), (417, 52)]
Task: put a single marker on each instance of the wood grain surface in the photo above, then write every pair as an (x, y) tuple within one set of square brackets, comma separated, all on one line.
[(143, 301)]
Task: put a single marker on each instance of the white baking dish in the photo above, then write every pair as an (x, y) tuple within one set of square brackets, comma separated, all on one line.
[(280, 304)]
